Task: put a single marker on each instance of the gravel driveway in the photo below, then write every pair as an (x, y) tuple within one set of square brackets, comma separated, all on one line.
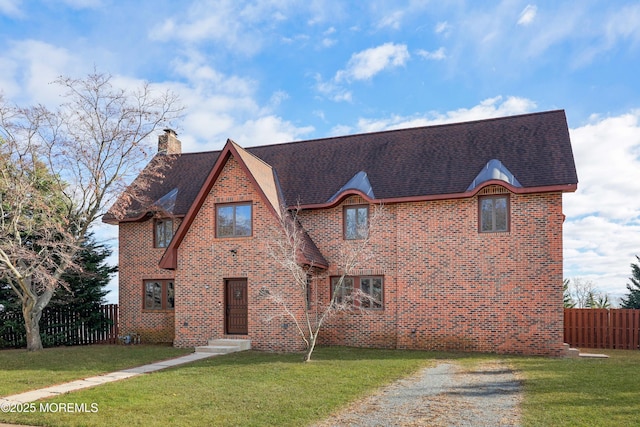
[(445, 395)]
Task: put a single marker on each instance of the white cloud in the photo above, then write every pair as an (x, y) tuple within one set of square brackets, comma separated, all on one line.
[(83, 4), (392, 20), (11, 8), (489, 108), (366, 64), (528, 15), (443, 28), (436, 55), (29, 66), (603, 216), (233, 25)]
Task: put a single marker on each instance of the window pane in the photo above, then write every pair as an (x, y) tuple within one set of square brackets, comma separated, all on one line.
[(170, 295), (153, 295), (365, 287), (243, 220), (486, 214), (500, 214), (224, 221), (148, 295), (350, 226), (376, 292), (342, 290), (164, 233), (372, 286), (362, 222)]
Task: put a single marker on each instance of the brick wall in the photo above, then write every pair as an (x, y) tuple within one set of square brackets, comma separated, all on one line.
[(204, 262), (449, 287), (139, 261), (446, 286)]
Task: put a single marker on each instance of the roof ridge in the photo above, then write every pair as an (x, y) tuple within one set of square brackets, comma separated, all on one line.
[(488, 119)]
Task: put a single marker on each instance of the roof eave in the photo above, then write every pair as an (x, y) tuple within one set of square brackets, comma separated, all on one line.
[(564, 188)]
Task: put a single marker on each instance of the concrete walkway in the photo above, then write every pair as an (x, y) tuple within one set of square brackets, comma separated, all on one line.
[(56, 390)]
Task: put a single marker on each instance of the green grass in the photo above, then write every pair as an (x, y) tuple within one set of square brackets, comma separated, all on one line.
[(264, 389), (248, 389), (582, 392), (21, 370)]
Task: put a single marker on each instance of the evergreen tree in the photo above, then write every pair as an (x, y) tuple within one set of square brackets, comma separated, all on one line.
[(633, 298), (84, 295), (568, 300)]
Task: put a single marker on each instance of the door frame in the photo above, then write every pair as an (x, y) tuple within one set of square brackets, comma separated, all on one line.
[(239, 311)]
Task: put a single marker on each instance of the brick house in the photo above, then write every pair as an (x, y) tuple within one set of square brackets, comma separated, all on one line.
[(468, 255)]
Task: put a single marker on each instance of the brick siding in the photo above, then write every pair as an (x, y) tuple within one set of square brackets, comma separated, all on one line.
[(446, 286)]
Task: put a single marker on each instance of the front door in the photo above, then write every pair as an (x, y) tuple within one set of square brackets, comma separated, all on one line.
[(236, 307)]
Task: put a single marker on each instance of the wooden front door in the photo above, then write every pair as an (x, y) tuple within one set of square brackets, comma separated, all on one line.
[(236, 307)]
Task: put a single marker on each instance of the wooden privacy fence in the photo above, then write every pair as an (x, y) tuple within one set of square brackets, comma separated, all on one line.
[(602, 328), (60, 326)]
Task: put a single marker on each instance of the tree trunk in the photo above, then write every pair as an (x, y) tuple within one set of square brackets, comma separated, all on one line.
[(312, 346), (32, 314)]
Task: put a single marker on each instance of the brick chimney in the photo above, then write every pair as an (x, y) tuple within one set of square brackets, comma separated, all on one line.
[(168, 143)]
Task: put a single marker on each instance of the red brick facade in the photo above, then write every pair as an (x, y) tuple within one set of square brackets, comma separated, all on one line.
[(446, 285)]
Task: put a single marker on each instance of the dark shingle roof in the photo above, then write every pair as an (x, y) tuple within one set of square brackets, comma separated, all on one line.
[(424, 161)]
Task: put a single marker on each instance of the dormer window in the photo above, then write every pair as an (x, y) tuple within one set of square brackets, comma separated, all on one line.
[(163, 232)]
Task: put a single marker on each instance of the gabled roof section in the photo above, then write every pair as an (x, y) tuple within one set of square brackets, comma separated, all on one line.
[(263, 174), (359, 182), (257, 170), (185, 172), (494, 169), (427, 162)]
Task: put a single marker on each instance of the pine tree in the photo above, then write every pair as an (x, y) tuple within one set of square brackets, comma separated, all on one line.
[(84, 294), (633, 298)]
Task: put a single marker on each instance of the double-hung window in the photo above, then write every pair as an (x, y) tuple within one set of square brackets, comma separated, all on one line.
[(356, 222), (233, 220), (494, 213)]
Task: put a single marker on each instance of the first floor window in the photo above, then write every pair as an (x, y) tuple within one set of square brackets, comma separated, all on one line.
[(494, 213), (233, 220), (159, 295), (368, 290), (163, 232)]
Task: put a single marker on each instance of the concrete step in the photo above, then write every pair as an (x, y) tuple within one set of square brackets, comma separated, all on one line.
[(570, 352), (242, 344), (224, 346)]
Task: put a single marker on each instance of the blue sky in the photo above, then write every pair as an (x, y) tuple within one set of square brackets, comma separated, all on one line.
[(280, 70)]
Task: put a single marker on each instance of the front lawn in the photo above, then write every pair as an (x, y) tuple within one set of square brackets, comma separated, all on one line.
[(241, 389), (582, 392), (264, 389), (21, 370)]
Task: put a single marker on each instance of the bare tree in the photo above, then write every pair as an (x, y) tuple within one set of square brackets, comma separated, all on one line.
[(585, 294), (287, 250), (62, 169)]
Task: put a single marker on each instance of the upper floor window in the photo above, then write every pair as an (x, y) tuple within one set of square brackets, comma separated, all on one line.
[(233, 220), (163, 232), (356, 222), (494, 213), (159, 295)]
